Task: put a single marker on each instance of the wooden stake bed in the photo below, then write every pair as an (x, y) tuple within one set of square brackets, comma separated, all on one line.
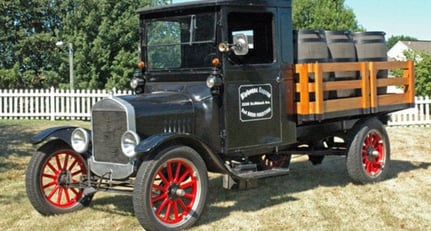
[(311, 105)]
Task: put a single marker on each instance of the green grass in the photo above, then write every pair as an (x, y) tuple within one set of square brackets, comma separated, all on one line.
[(309, 198)]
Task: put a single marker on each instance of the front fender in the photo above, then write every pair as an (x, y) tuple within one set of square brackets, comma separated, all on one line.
[(61, 132), (155, 143)]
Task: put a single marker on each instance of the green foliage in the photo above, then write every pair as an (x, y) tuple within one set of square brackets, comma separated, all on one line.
[(422, 62), (104, 34), (27, 50), (323, 14), (394, 39)]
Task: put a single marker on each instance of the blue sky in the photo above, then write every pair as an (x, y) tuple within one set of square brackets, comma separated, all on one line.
[(395, 17)]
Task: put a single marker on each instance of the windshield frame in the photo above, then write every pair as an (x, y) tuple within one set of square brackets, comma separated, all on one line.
[(186, 57)]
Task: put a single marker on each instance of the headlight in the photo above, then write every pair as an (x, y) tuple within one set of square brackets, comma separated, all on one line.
[(214, 81), (80, 140), (134, 83), (129, 140)]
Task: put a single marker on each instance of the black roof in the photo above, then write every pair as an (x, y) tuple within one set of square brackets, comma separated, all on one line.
[(214, 3)]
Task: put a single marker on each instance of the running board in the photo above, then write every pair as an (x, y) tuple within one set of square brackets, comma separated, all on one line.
[(263, 174), (248, 180)]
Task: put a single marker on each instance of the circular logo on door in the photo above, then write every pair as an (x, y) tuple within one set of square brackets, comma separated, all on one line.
[(255, 102)]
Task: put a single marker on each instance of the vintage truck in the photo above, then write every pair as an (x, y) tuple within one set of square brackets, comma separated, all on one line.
[(223, 86)]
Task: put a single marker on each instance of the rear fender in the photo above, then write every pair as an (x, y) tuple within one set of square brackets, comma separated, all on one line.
[(61, 132), (149, 147)]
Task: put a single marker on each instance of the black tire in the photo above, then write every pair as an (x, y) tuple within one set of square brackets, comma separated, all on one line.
[(171, 189), (48, 172), (368, 156)]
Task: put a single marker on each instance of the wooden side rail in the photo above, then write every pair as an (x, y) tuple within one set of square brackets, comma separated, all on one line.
[(368, 101)]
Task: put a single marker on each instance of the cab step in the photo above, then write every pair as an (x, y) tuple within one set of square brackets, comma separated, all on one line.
[(264, 173)]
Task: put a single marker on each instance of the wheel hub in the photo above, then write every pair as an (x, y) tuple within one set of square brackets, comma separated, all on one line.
[(175, 191), (372, 153), (64, 178)]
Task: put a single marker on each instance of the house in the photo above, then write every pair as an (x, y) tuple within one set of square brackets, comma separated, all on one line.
[(397, 51)]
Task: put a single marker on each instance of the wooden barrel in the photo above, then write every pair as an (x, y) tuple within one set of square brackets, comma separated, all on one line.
[(310, 47), (342, 49), (371, 46)]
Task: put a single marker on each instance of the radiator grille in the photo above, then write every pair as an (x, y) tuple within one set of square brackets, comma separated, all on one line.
[(108, 127)]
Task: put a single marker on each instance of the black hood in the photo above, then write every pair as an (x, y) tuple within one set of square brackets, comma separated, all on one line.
[(162, 112)]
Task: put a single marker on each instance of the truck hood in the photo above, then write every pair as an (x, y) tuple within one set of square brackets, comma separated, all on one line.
[(162, 112)]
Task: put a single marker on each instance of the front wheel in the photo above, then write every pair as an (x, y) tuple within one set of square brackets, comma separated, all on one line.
[(52, 179), (171, 189), (368, 156)]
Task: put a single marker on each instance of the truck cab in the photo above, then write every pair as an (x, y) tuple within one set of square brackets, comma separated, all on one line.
[(244, 103), (217, 90)]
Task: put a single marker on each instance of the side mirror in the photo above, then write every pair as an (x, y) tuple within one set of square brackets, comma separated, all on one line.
[(239, 46)]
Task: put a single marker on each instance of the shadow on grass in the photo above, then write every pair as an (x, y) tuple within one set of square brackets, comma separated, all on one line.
[(271, 191), (14, 141)]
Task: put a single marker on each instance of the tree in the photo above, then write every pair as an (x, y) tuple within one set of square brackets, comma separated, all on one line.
[(422, 62), (27, 54), (104, 34), (394, 39), (323, 14)]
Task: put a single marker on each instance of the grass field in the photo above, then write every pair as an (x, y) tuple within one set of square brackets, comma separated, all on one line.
[(309, 198)]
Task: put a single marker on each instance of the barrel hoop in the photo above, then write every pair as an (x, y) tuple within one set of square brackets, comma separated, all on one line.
[(365, 41), (341, 40)]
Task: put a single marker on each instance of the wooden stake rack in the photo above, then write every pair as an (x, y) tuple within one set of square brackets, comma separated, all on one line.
[(311, 104)]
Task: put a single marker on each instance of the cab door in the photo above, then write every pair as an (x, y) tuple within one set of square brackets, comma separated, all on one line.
[(251, 84)]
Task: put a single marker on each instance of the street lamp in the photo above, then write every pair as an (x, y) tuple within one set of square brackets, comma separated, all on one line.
[(60, 44)]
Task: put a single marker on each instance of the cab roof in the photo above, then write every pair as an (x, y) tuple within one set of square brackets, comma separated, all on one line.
[(215, 3)]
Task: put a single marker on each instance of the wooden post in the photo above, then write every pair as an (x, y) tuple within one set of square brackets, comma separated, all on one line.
[(318, 83), (365, 87), (304, 91), (410, 72), (373, 86)]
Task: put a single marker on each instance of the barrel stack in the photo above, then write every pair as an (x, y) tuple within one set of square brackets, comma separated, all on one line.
[(311, 46)]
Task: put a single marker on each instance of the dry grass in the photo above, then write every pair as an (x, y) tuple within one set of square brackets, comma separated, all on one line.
[(309, 198)]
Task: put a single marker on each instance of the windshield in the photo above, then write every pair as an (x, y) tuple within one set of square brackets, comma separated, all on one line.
[(180, 42)]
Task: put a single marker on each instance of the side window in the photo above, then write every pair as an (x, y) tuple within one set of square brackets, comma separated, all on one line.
[(259, 30)]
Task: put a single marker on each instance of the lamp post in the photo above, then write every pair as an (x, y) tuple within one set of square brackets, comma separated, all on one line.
[(70, 45)]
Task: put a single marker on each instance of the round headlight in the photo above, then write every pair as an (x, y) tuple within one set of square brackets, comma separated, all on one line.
[(214, 81), (129, 140), (134, 83), (211, 82), (80, 140)]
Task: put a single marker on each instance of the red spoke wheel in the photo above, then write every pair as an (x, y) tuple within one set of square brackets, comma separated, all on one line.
[(369, 153), (171, 189), (52, 178)]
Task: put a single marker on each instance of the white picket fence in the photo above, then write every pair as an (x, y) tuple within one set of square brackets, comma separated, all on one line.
[(55, 104), (417, 116)]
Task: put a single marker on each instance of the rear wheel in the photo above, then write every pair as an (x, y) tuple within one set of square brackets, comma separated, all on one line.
[(368, 156), (52, 179), (171, 189)]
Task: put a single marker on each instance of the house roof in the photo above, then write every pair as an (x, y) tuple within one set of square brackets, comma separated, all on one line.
[(420, 45)]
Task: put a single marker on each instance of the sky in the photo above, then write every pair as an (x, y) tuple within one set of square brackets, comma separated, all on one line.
[(395, 17)]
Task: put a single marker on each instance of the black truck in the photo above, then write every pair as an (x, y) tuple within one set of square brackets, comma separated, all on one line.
[(229, 87)]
